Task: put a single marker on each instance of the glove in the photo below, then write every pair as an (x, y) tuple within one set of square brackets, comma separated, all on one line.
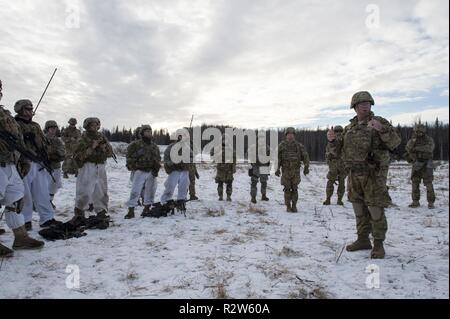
[(23, 167), (278, 173), (306, 170), (197, 176)]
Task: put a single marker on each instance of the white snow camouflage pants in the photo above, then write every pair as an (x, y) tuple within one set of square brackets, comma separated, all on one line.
[(54, 185), (92, 187), (36, 195), (180, 178), (143, 182), (11, 190)]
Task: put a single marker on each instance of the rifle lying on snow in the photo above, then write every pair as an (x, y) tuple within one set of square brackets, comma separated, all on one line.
[(14, 145)]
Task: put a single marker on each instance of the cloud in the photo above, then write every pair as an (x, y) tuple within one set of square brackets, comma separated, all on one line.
[(428, 115), (244, 63)]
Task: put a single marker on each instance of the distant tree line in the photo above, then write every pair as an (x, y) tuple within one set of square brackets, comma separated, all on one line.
[(315, 141)]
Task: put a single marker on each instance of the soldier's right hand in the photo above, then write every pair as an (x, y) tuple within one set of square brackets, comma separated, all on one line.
[(331, 135), (278, 173), (95, 144)]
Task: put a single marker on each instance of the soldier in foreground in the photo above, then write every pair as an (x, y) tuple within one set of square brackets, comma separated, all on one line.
[(420, 154), (178, 173), (143, 158), (291, 155), (225, 169), (91, 155), (11, 184), (367, 141), (56, 154), (36, 181), (70, 136), (336, 169)]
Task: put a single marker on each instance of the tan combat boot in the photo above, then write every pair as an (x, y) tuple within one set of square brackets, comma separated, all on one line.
[(414, 204), (146, 209), (362, 243), (23, 241), (130, 214), (378, 250), (5, 252)]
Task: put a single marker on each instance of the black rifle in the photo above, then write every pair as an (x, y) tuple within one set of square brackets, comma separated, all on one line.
[(14, 145), (45, 91)]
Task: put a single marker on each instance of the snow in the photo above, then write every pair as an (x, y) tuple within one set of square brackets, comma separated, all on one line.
[(239, 250)]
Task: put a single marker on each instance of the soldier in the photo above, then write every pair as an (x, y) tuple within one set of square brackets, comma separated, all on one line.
[(143, 158), (92, 184), (291, 154), (11, 185), (70, 136), (193, 175), (36, 181), (225, 170), (178, 173), (420, 153), (336, 169), (56, 154), (367, 141), (259, 172)]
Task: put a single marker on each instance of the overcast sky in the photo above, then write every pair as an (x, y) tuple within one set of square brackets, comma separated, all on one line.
[(248, 63)]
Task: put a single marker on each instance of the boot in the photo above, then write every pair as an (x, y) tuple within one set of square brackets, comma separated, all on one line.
[(130, 214), (51, 222), (253, 200), (327, 202), (431, 205), (378, 250), (28, 226), (414, 204), (79, 217), (229, 198), (5, 252), (221, 198), (23, 241), (362, 243), (102, 214), (294, 207), (146, 210), (66, 176), (340, 202), (91, 207), (193, 197), (264, 198), (2, 231)]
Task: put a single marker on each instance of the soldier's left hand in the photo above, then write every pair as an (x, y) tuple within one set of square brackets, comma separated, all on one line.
[(375, 124), (197, 176)]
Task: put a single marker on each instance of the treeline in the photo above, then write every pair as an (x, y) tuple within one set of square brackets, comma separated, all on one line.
[(315, 141)]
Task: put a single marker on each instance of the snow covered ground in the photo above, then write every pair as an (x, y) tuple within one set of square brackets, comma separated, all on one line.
[(238, 250)]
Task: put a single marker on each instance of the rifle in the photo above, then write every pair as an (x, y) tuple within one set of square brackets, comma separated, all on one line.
[(13, 145), (45, 91)]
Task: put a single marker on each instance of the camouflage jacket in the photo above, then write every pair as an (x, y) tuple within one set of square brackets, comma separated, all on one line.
[(84, 153), (34, 138), (420, 148), (70, 137), (363, 145), (143, 156), (56, 152), (170, 166), (225, 170), (291, 155), (333, 151), (9, 126)]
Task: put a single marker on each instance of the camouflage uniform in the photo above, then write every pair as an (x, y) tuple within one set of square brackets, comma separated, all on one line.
[(92, 183), (12, 187), (178, 175), (56, 154), (290, 158), (225, 171), (366, 156), (193, 175), (70, 136), (36, 181), (420, 150), (143, 158), (336, 168), (259, 172)]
